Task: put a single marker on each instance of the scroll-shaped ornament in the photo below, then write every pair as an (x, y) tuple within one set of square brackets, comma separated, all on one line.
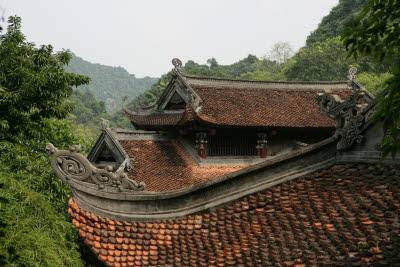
[(347, 114), (71, 165)]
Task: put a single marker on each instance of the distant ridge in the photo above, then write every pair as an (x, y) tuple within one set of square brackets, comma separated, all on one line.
[(109, 84)]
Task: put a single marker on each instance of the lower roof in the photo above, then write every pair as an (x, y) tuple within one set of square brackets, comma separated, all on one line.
[(165, 165), (344, 215)]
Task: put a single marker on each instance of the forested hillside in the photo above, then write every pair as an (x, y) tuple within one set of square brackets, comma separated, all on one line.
[(109, 84), (35, 108), (334, 23), (87, 116), (323, 58), (247, 68)]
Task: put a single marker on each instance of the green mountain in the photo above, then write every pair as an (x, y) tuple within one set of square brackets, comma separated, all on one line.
[(250, 67), (333, 24), (109, 84)]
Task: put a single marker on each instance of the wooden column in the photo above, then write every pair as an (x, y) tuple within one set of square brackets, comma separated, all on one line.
[(201, 144), (262, 144)]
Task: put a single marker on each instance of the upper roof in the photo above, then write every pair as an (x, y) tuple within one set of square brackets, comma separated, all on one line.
[(226, 102)]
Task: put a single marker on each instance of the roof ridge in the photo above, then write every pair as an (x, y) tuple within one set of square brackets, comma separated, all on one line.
[(259, 81)]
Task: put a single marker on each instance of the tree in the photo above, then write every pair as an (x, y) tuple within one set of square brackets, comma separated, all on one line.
[(326, 61), (33, 83), (212, 62), (321, 61), (281, 52), (263, 76), (376, 32), (333, 24)]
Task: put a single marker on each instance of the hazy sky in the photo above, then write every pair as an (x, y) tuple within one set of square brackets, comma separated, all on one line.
[(143, 36)]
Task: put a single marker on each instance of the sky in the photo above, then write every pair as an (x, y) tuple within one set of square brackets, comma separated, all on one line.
[(144, 36)]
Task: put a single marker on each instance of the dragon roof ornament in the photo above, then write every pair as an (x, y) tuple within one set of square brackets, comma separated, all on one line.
[(136, 104), (71, 165), (178, 65), (352, 73), (105, 124), (348, 114)]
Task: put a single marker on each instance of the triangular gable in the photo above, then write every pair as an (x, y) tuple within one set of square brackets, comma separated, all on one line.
[(106, 151), (177, 94), (175, 102)]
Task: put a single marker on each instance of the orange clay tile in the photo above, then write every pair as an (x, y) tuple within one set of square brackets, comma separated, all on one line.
[(166, 165), (261, 108), (307, 234)]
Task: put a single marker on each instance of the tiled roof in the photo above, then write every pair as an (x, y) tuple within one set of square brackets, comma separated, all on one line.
[(263, 107), (248, 107), (341, 216), (165, 165), (154, 119)]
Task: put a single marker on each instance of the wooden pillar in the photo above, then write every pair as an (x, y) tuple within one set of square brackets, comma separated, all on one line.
[(201, 144), (262, 144)]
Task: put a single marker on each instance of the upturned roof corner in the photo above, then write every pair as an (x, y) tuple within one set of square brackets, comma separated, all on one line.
[(73, 166)]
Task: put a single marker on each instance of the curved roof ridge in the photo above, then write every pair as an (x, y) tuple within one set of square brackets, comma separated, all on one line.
[(259, 81)]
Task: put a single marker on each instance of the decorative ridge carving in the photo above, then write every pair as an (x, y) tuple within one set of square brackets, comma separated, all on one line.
[(352, 73), (105, 124), (199, 77), (348, 114), (71, 165), (178, 65), (124, 98)]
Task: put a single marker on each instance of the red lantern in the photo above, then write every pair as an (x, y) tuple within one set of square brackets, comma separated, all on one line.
[(183, 132), (212, 132)]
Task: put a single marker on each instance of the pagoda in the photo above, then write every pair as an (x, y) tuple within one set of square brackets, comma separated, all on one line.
[(198, 184)]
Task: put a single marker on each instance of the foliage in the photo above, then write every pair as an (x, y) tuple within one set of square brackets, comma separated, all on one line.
[(333, 24), (263, 75), (212, 62), (376, 32), (326, 61), (26, 155), (86, 107), (33, 232), (33, 83), (373, 82), (281, 52), (213, 70), (34, 88), (86, 117), (109, 84), (247, 68), (33, 229), (151, 96)]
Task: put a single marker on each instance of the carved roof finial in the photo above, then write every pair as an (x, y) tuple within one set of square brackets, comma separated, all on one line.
[(352, 73), (177, 64), (105, 124), (124, 98), (71, 165), (136, 104)]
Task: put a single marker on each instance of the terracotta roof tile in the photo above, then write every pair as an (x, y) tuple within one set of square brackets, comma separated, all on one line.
[(165, 165), (263, 107), (247, 107), (341, 216), (154, 119)]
